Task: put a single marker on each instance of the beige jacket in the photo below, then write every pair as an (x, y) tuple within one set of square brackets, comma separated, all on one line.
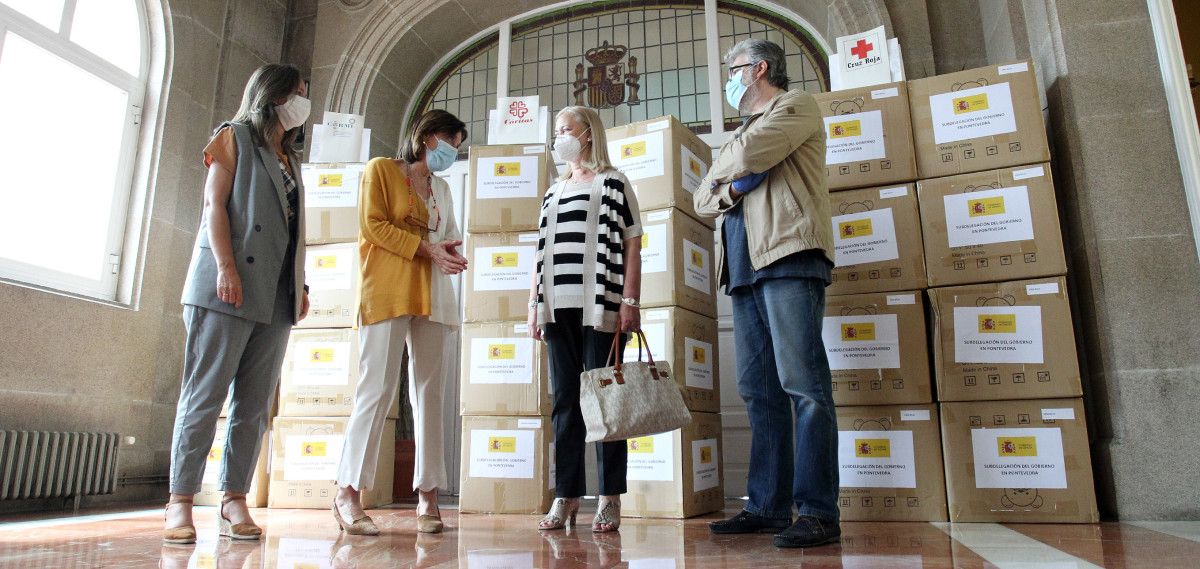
[(789, 213)]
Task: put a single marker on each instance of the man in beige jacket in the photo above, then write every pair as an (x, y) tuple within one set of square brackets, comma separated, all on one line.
[(768, 188)]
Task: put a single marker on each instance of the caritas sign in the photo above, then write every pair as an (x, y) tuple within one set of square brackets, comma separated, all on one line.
[(518, 121)]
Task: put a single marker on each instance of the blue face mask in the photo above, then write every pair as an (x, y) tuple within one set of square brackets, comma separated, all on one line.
[(735, 90), (442, 157)]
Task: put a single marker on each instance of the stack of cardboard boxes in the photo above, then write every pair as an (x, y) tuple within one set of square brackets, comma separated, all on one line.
[(675, 474), (507, 438), (889, 445)]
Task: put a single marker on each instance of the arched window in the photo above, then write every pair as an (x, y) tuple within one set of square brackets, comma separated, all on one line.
[(73, 77), (631, 62)]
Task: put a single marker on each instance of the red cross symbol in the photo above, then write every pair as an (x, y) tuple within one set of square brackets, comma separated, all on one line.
[(862, 48)]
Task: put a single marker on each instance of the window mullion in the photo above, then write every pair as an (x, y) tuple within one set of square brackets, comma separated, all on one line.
[(68, 19)]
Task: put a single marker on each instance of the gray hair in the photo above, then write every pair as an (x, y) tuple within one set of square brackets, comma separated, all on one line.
[(757, 50)]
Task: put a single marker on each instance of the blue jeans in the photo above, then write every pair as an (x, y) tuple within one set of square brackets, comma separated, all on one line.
[(781, 366)]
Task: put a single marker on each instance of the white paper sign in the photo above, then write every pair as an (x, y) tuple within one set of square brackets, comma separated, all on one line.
[(651, 458), (696, 273), (505, 177), (311, 457), (656, 337), (307, 553), (330, 267), (339, 138), (863, 59), (854, 138), (914, 414), (529, 423), (876, 459), (1019, 458), (692, 169), (552, 465), (1041, 288), (865, 237), (705, 471), (502, 454), (901, 299), (321, 363), (972, 113), (1063, 414), (216, 454), (501, 360), (654, 249), (493, 127), (988, 216), (1026, 173), (502, 268), (698, 360), (998, 335), (889, 193), (862, 342), (638, 157), (500, 559), (330, 187), (518, 121)]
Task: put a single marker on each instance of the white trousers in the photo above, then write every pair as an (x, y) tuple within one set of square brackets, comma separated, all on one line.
[(382, 345)]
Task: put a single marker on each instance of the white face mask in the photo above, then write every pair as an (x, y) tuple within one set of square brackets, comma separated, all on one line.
[(568, 147), (294, 112)]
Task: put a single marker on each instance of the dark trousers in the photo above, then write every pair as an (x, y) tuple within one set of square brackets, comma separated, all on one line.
[(573, 349)]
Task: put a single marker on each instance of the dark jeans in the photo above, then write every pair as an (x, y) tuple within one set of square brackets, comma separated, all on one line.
[(574, 349), (781, 366)]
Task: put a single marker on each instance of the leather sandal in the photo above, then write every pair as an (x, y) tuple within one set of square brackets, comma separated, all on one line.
[(231, 530), (361, 526), (181, 535), (562, 514)]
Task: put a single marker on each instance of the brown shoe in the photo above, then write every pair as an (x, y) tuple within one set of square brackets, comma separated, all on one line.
[(182, 534), (226, 528), (361, 526), (429, 524)]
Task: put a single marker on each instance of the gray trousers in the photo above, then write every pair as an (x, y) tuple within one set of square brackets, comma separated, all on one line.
[(222, 350)]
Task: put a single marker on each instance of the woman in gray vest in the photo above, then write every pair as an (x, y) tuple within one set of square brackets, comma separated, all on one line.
[(244, 291)]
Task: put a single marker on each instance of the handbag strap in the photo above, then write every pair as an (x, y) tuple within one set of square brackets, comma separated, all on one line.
[(614, 355)]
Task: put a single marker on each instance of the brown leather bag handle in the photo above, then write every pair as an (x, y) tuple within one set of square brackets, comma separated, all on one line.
[(613, 354)]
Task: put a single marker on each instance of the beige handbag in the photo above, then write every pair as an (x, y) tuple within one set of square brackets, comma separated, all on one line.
[(629, 400)]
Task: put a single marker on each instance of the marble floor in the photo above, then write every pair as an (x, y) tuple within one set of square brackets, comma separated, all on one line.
[(309, 539)]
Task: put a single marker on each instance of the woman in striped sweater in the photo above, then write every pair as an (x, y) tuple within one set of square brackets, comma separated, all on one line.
[(585, 290)]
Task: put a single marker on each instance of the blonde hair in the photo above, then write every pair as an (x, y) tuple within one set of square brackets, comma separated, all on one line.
[(597, 160)]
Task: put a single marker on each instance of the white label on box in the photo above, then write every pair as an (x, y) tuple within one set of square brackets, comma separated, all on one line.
[(501, 360), (695, 267), (491, 559), (330, 187), (311, 457), (854, 138), (862, 342), (972, 113), (706, 472), (506, 177), (1041, 288), (864, 237), (890, 561), (212, 464), (876, 459), (322, 363), (529, 423), (658, 215), (656, 336), (296, 553), (330, 267), (1026, 173), (552, 466), (652, 315), (988, 216), (520, 328), (653, 563), (691, 169), (1013, 68), (654, 249), (533, 149), (901, 299), (885, 93), (652, 458), (998, 335), (528, 238), (502, 454), (1019, 458), (698, 358), (639, 157), (502, 268), (914, 414), (893, 193), (657, 126), (1064, 414)]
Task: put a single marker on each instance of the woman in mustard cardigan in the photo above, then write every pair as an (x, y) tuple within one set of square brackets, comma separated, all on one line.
[(407, 225)]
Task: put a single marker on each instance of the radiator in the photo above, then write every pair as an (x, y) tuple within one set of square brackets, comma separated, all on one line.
[(40, 464)]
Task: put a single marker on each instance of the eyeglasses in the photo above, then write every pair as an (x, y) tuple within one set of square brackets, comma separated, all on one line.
[(433, 209), (734, 68)]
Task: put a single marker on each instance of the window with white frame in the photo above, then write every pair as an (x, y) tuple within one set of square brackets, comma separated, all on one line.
[(72, 81)]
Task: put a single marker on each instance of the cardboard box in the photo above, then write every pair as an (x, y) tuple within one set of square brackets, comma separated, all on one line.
[(868, 136), (877, 241), (331, 202), (210, 488), (677, 263), (663, 160), (991, 226), (500, 269), (507, 465), (978, 119), (877, 348), (305, 452), (1010, 340), (688, 342), (504, 371), (890, 460), (677, 474), (320, 374), (333, 278), (506, 183), (1018, 461)]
